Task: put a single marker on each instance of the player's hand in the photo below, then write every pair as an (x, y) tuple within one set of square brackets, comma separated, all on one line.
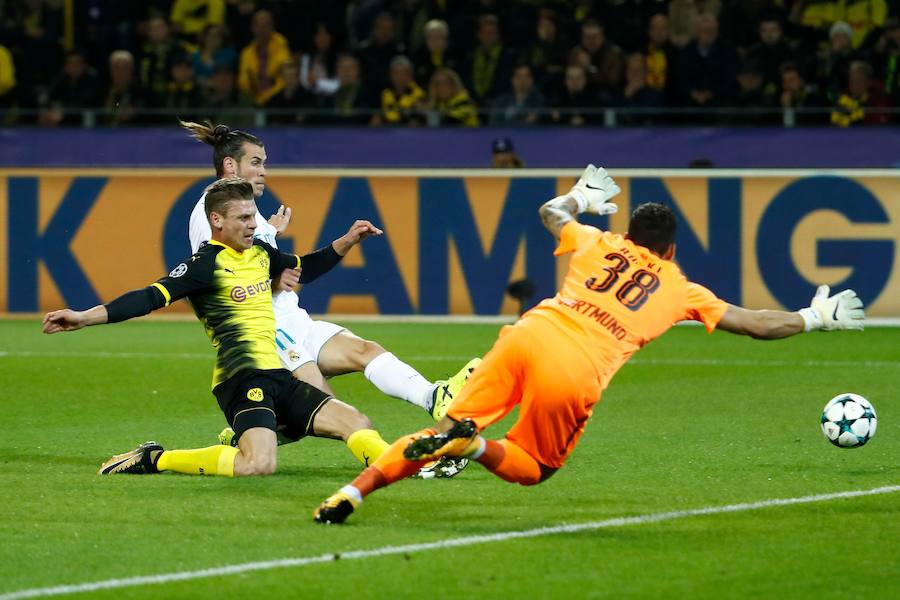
[(63, 320), (594, 190), (280, 219), (844, 310), (287, 281), (359, 231)]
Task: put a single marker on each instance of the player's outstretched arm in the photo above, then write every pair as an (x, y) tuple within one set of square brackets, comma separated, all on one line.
[(359, 231), (590, 194), (131, 304), (843, 310), (67, 319)]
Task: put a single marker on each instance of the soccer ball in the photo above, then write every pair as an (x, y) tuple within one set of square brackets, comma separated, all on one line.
[(849, 420)]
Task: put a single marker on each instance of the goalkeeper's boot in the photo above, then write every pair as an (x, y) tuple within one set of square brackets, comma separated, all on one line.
[(140, 461), (445, 391), (335, 509), (443, 468), (458, 441)]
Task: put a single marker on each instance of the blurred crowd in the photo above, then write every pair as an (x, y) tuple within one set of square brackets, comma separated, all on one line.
[(450, 63)]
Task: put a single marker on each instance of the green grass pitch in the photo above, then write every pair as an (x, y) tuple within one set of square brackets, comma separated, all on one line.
[(693, 421)]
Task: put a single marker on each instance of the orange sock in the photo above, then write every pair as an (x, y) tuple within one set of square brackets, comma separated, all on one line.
[(509, 462), (391, 466)]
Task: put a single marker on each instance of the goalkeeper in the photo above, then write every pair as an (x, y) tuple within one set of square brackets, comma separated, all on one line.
[(620, 293)]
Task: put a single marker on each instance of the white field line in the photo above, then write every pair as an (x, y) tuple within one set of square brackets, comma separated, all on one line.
[(713, 362), (164, 578)]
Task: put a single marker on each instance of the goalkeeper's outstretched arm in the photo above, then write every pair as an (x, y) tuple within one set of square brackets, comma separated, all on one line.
[(591, 194), (843, 310)]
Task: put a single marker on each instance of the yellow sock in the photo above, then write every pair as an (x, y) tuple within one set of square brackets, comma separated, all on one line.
[(366, 445), (215, 460)]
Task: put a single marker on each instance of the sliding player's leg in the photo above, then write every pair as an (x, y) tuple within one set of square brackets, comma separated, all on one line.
[(340, 351), (304, 410)]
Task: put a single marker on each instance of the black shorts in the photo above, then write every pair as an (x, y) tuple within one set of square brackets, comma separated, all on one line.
[(271, 399)]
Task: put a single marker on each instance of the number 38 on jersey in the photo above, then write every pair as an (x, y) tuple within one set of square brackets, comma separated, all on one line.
[(631, 291)]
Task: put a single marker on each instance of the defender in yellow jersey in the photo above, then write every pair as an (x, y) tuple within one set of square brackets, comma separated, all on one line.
[(228, 284), (620, 292)]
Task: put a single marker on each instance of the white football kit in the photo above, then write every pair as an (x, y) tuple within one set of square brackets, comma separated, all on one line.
[(298, 338)]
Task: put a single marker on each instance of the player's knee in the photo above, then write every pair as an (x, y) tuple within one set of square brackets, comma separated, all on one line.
[(260, 465), (355, 421), (366, 351)]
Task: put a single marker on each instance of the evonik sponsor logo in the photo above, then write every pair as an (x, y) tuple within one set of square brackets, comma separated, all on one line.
[(239, 293)]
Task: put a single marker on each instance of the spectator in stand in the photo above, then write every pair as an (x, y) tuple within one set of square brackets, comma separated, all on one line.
[(352, 103), (625, 22), (155, 61), (259, 71), (77, 88), (770, 52), (410, 17), (643, 100), (449, 103), (863, 102), (375, 54), (190, 18), (503, 155), (886, 60), (754, 100), (803, 98), (606, 59), (661, 59), (708, 67), (575, 104), (184, 96), (224, 102), (683, 18), (436, 52), (215, 50), (522, 104), (547, 55), (318, 66), (817, 16), (237, 14), (123, 96), (403, 99), (292, 102), (35, 29), (7, 79), (490, 64), (834, 64)]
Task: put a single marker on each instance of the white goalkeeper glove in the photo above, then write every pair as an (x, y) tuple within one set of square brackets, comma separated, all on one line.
[(593, 191), (844, 310)]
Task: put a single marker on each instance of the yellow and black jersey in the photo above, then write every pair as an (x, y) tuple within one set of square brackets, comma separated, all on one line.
[(231, 294)]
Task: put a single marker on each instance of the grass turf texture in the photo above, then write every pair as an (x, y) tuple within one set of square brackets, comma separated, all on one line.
[(692, 421)]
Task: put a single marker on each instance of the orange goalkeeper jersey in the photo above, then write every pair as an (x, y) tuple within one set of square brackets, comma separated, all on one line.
[(617, 297)]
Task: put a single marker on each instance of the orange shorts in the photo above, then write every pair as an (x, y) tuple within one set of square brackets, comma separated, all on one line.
[(555, 385)]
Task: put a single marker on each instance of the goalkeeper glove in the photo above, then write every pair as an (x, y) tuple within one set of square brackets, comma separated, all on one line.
[(844, 310), (593, 190)]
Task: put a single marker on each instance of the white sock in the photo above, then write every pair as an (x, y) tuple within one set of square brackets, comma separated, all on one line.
[(396, 378), (353, 493), (482, 446)]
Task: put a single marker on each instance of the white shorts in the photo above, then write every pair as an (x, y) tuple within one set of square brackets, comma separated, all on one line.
[(298, 338)]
